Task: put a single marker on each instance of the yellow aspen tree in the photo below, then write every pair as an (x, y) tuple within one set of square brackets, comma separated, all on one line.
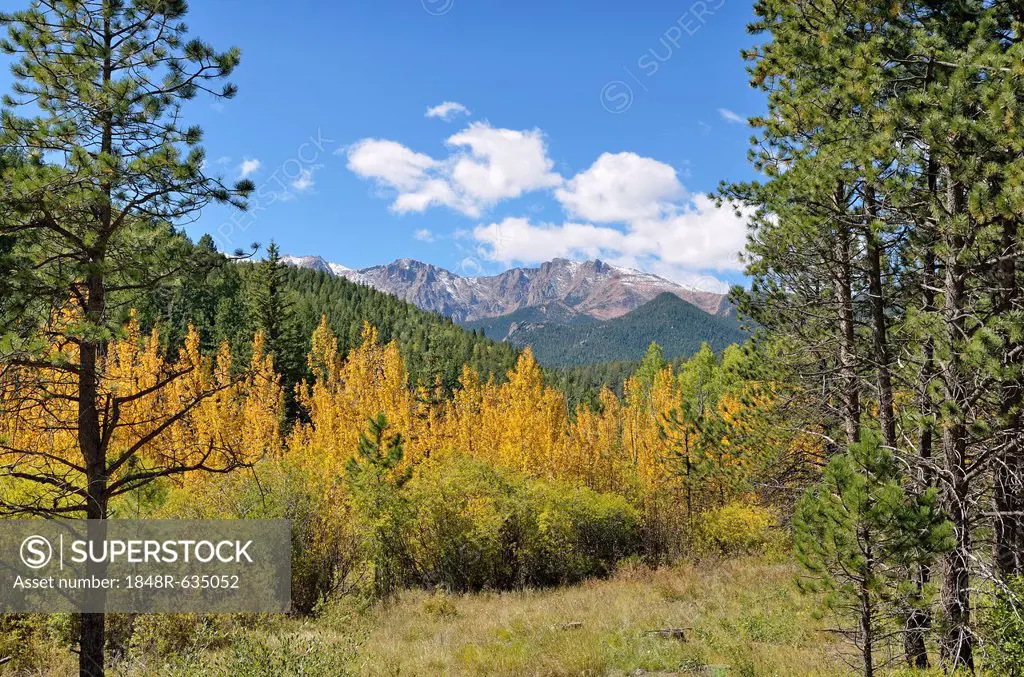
[(345, 394), (263, 408), (534, 436), (584, 438), (611, 470), (462, 420), (165, 420), (596, 455), (316, 442), (493, 429)]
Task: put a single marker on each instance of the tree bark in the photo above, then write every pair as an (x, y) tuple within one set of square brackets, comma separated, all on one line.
[(879, 325), (843, 280), (917, 620), (957, 641), (90, 439)]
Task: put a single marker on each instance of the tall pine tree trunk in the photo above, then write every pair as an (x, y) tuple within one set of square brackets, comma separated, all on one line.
[(957, 640), (91, 443), (91, 632), (879, 326), (916, 621), (843, 281)]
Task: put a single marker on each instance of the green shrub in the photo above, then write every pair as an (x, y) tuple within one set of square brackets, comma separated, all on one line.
[(467, 525), (1004, 630), (325, 542), (736, 529), (476, 526), (22, 640), (457, 524), (440, 605), (164, 635), (581, 533)]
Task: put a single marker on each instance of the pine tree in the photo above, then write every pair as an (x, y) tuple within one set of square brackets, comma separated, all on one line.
[(270, 307), (860, 534), (109, 172), (374, 477), (653, 362), (888, 205)]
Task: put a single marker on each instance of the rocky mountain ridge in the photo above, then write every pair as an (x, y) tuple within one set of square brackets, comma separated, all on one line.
[(586, 288)]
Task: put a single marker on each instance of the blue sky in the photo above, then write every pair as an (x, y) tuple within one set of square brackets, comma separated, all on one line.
[(594, 129)]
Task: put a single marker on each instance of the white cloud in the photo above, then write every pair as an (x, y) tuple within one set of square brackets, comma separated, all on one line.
[(501, 163), (389, 162), (621, 187), (435, 191), (624, 208), (447, 111), (699, 236), (518, 240), (732, 117), (486, 165), (249, 167)]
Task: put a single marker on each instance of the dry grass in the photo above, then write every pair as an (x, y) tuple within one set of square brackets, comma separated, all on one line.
[(743, 618)]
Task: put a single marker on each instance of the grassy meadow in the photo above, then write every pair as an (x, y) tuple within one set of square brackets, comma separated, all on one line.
[(740, 617)]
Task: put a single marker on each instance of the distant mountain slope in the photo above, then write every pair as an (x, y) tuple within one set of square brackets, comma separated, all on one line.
[(676, 325), (434, 347), (501, 328), (219, 298), (589, 288)]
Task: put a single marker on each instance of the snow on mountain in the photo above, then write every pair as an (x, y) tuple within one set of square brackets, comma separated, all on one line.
[(591, 288), (317, 263)]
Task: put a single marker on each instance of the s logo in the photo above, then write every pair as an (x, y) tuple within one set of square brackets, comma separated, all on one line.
[(36, 552)]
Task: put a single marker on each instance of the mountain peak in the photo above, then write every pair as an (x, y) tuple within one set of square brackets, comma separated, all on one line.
[(587, 288), (316, 263)]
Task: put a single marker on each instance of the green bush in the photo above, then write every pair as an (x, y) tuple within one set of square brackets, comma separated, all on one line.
[(468, 525), (581, 533), (1004, 630), (164, 635), (23, 639), (736, 529), (441, 606), (475, 526), (457, 524), (325, 542)]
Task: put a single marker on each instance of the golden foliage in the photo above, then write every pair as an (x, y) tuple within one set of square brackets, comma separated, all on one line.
[(345, 394), (188, 414), (627, 446), (200, 411)]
